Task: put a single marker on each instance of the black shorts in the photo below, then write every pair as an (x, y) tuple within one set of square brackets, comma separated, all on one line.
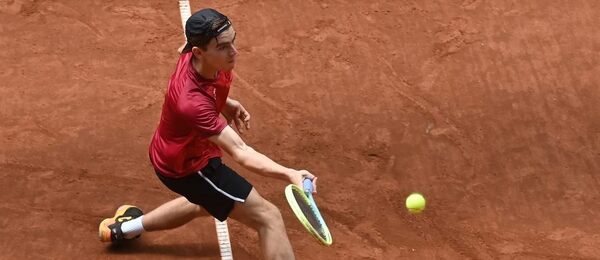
[(215, 187)]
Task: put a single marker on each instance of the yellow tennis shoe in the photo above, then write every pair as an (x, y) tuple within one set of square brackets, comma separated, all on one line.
[(110, 228)]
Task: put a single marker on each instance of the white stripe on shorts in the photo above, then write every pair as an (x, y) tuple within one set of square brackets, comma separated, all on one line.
[(220, 190)]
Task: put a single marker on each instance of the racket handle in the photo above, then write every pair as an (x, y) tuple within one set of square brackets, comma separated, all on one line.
[(308, 185)]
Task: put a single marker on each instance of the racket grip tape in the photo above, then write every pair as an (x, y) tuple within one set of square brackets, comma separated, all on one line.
[(307, 185)]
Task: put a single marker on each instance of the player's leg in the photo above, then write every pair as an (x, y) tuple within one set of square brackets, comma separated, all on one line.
[(230, 195), (172, 214), (129, 221), (261, 215)]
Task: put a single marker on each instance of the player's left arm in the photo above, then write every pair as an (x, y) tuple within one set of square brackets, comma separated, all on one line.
[(234, 112)]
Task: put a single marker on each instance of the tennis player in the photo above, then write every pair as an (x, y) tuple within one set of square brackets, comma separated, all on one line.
[(186, 148)]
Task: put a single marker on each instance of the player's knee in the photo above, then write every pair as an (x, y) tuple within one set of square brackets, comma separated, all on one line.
[(271, 215), (196, 209)]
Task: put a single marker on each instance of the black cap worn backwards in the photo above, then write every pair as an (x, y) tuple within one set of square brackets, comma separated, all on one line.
[(203, 26)]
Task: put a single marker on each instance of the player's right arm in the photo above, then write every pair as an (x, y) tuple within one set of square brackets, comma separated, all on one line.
[(200, 110), (256, 162)]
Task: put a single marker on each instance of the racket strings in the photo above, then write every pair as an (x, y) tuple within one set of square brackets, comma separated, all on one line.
[(310, 213)]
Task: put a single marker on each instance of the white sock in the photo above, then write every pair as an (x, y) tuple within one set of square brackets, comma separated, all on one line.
[(132, 228)]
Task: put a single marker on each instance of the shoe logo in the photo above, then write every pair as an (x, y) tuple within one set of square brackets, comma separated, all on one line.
[(124, 218)]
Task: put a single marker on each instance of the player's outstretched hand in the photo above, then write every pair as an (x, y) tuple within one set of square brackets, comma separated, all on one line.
[(297, 177)]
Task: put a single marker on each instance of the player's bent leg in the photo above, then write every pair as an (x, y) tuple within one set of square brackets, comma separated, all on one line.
[(172, 214), (129, 221), (261, 215)]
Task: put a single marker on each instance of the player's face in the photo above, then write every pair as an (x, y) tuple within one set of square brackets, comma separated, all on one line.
[(221, 52)]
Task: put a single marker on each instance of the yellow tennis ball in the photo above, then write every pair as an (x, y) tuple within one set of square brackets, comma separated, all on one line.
[(415, 203)]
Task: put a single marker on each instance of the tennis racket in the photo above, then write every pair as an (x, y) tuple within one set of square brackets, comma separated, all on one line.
[(305, 208)]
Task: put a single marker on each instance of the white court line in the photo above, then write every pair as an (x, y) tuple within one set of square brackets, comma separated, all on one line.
[(222, 231), (185, 11), (223, 238)]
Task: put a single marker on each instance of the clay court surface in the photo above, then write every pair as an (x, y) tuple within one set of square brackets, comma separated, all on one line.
[(489, 108)]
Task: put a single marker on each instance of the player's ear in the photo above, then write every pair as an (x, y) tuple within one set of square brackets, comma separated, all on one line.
[(197, 51)]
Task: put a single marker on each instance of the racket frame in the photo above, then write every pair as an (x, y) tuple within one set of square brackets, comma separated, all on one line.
[(291, 199)]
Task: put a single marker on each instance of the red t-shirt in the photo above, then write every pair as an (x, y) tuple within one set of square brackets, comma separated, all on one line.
[(190, 114)]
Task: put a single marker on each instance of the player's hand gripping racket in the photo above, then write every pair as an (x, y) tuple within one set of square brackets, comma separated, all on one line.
[(305, 208)]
